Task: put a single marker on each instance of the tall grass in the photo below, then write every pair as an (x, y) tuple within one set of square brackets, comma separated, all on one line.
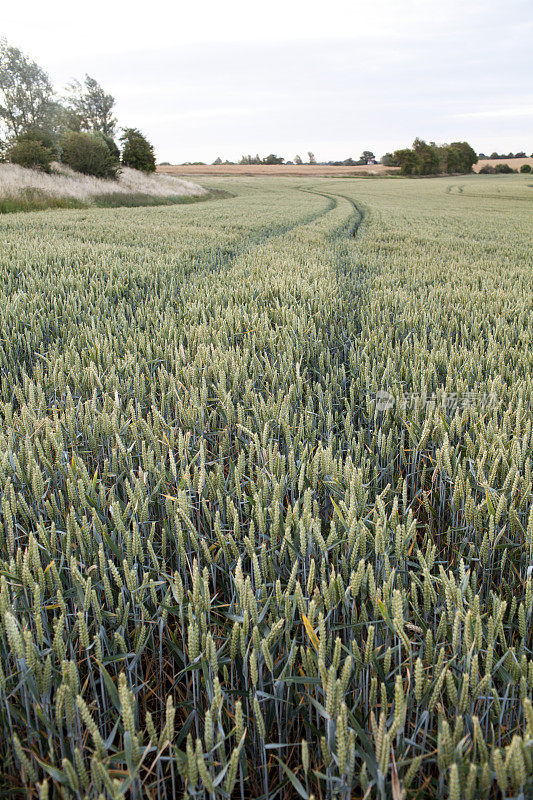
[(28, 189), (227, 570)]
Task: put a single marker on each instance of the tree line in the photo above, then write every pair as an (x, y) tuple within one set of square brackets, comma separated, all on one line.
[(520, 154), (367, 157), (274, 159), (422, 158), (425, 158), (79, 129)]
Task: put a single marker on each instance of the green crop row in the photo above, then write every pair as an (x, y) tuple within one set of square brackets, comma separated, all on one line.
[(266, 522)]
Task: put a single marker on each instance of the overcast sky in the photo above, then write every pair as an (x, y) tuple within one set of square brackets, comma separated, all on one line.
[(207, 79)]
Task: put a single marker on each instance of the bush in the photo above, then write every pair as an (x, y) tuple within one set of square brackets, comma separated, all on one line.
[(137, 152), (487, 170), (388, 160), (32, 154), (42, 136), (110, 143), (88, 153), (525, 168), (503, 169)]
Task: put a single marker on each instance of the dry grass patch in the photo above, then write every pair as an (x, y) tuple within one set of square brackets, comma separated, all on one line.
[(29, 189)]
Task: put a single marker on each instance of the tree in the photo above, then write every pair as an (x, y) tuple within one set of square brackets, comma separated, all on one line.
[(273, 159), (367, 156), (525, 168), (298, 160), (407, 160), (31, 153), (461, 156), (47, 139), (250, 160), (311, 156), (217, 161), (89, 108), (26, 94), (428, 157), (111, 146), (88, 153), (137, 152), (388, 160)]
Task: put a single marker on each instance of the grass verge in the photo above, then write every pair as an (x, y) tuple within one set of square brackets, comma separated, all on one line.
[(35, 200)]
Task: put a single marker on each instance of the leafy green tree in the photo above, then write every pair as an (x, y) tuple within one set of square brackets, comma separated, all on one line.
[(458, 157), (407, 160), (30, 153), (432, 159), (88, 153), (273, 159), (388, 160), (367, 156), (428, 157), (26, 93), (525, 168), (450, 159), (111, 145), (90, 108), (137, 152), (503, 169), (45, 137), (217, 161)]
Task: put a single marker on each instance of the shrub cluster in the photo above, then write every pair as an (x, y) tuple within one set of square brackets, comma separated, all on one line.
[(432, 159), (30, 153), (93, 154), (88, 153)]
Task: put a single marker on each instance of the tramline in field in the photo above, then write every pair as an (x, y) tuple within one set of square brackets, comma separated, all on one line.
[(266, 494)]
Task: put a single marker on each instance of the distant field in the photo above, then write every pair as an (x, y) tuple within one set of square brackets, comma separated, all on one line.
[(291, 170), (515, 163), (307, 171)]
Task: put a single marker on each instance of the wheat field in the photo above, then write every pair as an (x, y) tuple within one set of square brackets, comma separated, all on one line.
[(266, 494)]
